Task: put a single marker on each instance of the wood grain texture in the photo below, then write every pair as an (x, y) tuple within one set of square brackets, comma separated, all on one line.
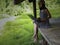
[(52, 35)]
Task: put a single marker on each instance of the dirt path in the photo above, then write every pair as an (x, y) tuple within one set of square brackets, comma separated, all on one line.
[(3, 21)]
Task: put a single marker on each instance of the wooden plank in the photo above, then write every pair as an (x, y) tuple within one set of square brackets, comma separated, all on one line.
[(52, 35)]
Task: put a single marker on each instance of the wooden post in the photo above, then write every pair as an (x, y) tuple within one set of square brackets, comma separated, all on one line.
[(34, 8)]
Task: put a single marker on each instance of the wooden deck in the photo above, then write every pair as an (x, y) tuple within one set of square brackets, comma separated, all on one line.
[(52, 35)]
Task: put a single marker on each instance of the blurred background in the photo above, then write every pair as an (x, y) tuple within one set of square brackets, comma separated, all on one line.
[(17, 26)]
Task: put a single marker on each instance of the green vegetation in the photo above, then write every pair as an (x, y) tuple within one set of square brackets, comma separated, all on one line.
[(20, 31), (8, 7)]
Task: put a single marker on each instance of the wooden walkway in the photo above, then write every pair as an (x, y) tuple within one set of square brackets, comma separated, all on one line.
[(52, 35)]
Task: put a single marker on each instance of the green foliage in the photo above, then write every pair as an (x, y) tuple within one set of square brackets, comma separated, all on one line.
[(52, 3), (55, 12), (17, 32), (8, 7), (58, 2)]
